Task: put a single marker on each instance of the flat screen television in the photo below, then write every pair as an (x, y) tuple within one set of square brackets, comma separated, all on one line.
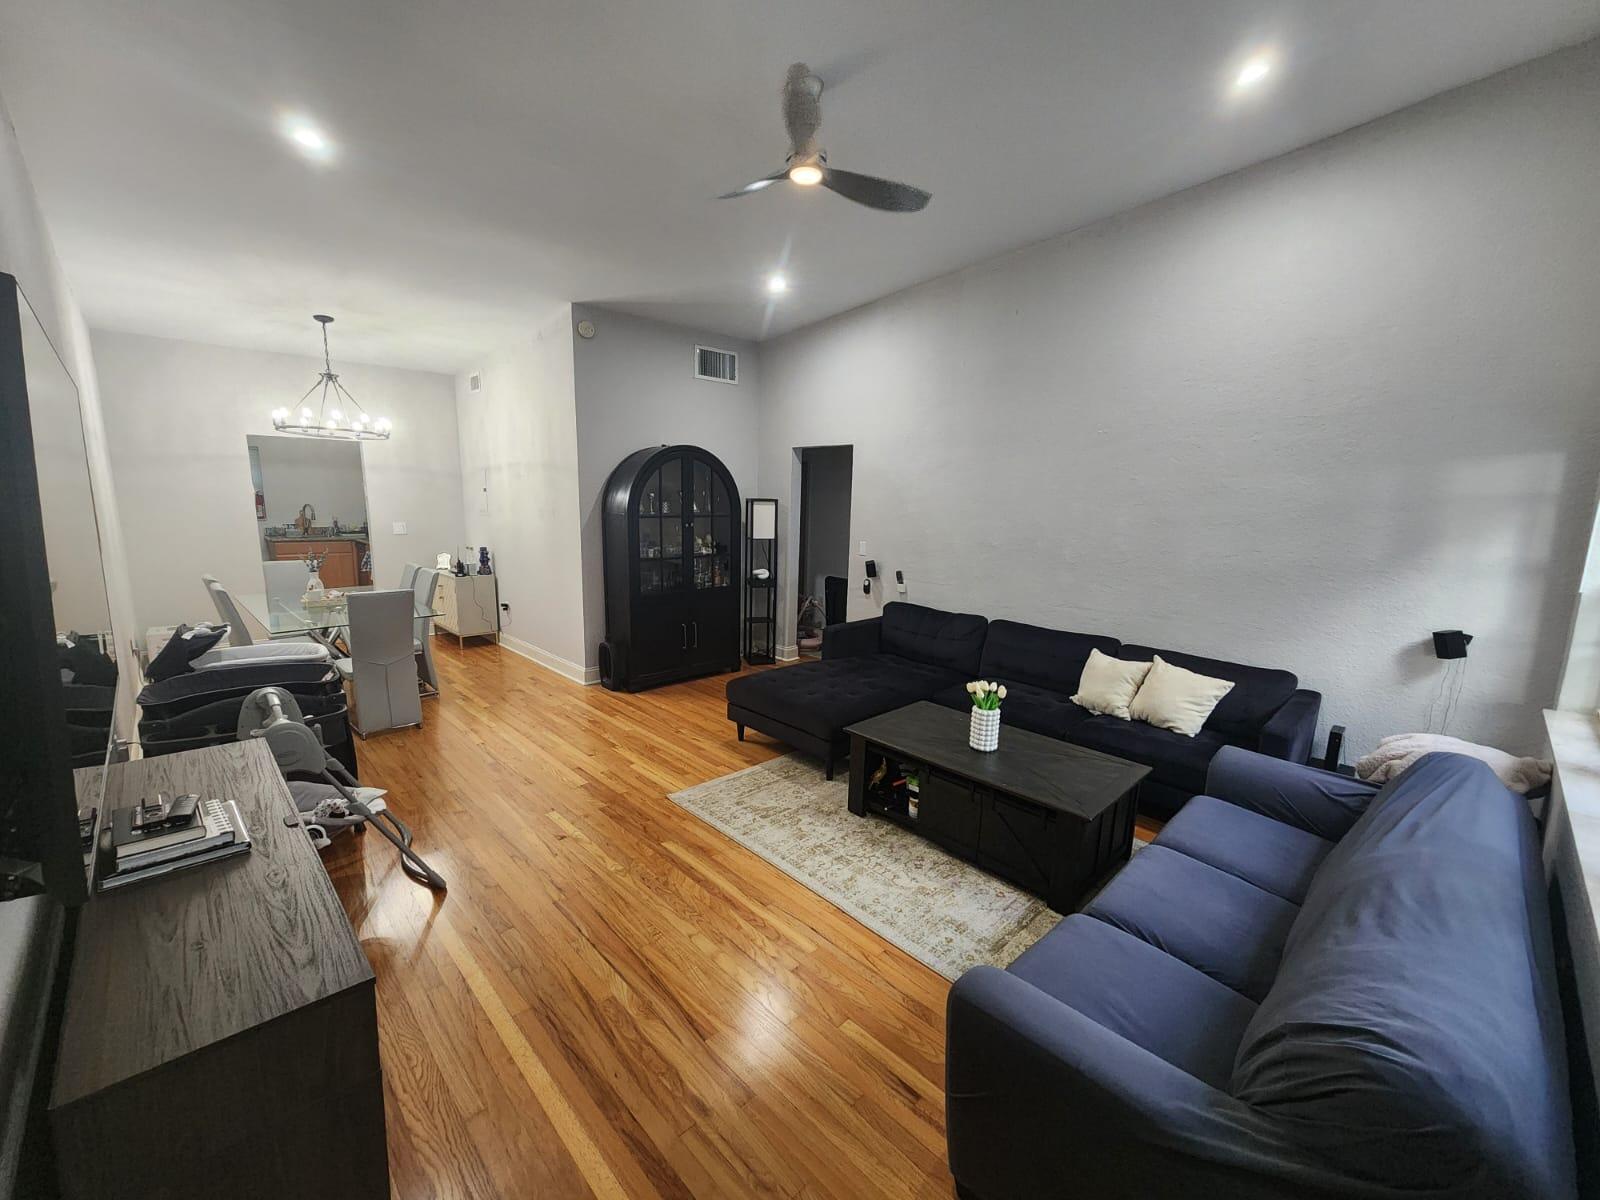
[(58, 669)]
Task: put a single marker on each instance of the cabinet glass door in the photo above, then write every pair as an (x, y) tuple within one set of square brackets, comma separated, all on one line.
[(671, 499), (651, 534), (713, 530)]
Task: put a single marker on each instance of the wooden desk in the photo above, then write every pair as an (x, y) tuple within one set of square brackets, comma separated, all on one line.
[(220, 1035)]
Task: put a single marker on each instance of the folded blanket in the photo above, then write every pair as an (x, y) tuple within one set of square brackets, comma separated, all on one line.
[(1399, 750)]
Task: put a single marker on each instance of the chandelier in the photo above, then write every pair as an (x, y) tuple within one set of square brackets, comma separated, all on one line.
[(326, 421)]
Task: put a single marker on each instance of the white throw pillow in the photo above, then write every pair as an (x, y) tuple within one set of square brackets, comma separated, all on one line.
[(1108, 685), (1176, 699)]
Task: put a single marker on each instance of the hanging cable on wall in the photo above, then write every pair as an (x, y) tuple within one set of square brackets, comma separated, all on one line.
[(1449, 645)]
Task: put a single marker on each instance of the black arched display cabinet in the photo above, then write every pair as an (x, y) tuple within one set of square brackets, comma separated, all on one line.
[(672, 546)]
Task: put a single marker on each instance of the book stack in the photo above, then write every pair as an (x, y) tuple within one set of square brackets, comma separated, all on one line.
[(130, 854)]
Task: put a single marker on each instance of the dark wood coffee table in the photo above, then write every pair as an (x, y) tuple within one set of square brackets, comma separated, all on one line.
[(1050, 817)]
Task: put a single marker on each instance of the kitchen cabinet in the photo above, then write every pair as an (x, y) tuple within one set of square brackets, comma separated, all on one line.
[(341, 567)]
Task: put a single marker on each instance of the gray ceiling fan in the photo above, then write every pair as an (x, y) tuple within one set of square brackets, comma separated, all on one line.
[(807, 164)]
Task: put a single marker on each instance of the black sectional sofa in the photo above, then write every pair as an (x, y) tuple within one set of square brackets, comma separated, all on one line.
[(916, 653)]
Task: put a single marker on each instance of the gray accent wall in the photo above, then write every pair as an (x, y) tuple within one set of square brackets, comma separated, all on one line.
[(636, 387), (519, 487), (1299, 416)]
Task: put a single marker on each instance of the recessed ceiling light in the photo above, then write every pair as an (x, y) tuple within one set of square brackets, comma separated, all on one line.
[(777, 284), (1254, 71), (307, 137)]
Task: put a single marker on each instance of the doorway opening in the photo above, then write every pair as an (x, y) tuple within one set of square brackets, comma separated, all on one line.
[(824, 542)]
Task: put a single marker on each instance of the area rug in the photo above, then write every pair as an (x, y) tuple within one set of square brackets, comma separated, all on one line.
[(944, 912)]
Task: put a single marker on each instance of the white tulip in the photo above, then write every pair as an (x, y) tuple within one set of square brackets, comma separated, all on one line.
[(1002, 691), (972, 688)]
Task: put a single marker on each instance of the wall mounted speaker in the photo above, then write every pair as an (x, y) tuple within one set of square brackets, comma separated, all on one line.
[(1450, 643)]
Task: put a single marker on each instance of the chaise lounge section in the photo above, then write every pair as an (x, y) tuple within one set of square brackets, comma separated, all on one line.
[(917, 653)]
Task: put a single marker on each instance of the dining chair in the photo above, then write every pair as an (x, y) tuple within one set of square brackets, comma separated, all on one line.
[(286, 583), (382, 667), (408, 576), (423, 587), (228, 611)]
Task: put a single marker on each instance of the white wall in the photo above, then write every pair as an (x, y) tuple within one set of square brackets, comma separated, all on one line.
[(636, 388), (178, 414), (296, 471), (519, 480), (1299, 416), (26, 252)]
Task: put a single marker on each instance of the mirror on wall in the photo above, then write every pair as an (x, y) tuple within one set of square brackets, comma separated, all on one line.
[(72, 544), (58, 693), (311, 501)]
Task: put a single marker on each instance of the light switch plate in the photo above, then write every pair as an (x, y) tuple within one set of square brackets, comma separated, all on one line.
[(399, 527), (863, 550)]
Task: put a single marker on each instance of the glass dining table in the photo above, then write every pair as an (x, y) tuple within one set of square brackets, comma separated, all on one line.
[(289, 616)]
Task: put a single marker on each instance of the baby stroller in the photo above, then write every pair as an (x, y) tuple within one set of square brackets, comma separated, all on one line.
[(330, 804)]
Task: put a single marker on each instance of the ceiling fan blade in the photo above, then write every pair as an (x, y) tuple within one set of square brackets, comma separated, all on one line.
[(883, 194), (755, 185)]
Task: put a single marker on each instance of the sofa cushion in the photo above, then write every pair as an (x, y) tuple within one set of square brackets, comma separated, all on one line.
[(1414, 1033), (1135, 990), (1257, 693), (1277, 858), (1015, 653), (952, 641), (1037, 709), (1172, 758), (822, 698), (1217, 923)]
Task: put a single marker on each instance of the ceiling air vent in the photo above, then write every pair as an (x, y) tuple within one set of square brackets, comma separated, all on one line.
[(475, 382), (720, 366)]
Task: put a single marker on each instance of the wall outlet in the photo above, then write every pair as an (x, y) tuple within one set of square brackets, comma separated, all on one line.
[(505, 608), (863, 551), (399, 527)]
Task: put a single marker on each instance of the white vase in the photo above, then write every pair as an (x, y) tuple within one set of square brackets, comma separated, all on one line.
[(984, 731)]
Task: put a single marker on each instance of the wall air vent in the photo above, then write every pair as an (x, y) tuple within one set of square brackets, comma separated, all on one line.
[(475, 382), (719, 366)]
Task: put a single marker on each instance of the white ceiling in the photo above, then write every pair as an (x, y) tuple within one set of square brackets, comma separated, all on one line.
[(501, 155)]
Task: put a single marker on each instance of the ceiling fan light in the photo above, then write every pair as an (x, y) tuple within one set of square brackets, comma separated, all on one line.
[(806, 174)]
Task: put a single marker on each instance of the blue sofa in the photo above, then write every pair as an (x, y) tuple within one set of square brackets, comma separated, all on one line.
[(917, 653), (1305, 987)]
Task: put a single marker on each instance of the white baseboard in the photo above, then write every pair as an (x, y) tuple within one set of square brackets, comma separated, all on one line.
[(788, 652), (564, 667)]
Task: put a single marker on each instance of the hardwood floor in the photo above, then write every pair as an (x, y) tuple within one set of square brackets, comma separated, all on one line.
[(614, 999)]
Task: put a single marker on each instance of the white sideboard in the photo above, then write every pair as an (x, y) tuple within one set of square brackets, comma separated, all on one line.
[(468, 606)]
